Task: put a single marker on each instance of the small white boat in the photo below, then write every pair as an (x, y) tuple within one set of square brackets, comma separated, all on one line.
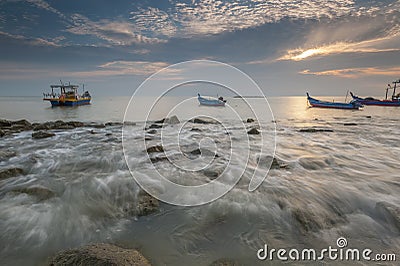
[(211, 102)]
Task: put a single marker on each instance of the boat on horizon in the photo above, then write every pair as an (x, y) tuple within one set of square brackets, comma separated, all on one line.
[(211, 102), (395, 101), (68, 96), (353, 105)]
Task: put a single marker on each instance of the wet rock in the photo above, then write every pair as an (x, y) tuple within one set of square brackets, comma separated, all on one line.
[(201, 121), (37, 127), (314, 163), (213, 173), (160, 121), (307, 220), (93, 132), (10, 172), (129, 123), (204, 152), (253, 131), (350, 124), (5, 123), (99, 255), (274, 162), (158, 159), (153, 131), (250, 120), (111, 124), (155, 126), (108, 134), (195, 129), (95, 125), (147, 204), (157, 148), (6, 154), (390, 212), (314, 130), (41, 193), (172, 120), (224, 262), (42, 134), (2, 133), (368, 116)]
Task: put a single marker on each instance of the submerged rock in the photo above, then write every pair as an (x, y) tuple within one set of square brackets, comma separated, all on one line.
[(390, 212), (158, 159), (350, 124), (195, 129), (308, 221), (10, 172), (157, 148), (111, 124), (314, 130), (153, 131), (41, 193), (253, 131), (100, 255), (201, 121), (273, 162), (250, 120), (155, 126), (42, 134), (146, 204), (6, 154)]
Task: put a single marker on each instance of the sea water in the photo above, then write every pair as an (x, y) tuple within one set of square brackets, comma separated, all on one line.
[(332, 184)]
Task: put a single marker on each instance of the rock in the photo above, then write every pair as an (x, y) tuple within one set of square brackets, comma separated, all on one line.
[(100, 254), (158, 159), (201, 121), (92, 132), (213, 173), (129, 123), (250, 120), (224, 262), (108, 134), (22, 122), (204, 152), (5, 123), (306, 219), (196, 129), (390, 212), (111, 124), (314, 130), (253, 131), (38, 127), (95, 125), (10, 172), (350, 124), (157, 148), (160, 121), (41, 193), (153, 131), (155, 126), (274, 162), (42, 134), (368, 116), (6, 154), (2, 133), (172, 120), (147, 204)]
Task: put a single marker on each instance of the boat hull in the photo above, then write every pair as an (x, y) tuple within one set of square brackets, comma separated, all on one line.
[(375, 102), (332, 105), (208, 102), (57, 102)]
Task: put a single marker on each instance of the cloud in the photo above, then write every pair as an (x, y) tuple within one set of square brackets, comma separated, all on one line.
[(206, 17), (356, 72), (114, 32), (44, 5), (31, 41)]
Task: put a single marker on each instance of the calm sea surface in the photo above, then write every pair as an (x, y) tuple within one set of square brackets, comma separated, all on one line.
[(342, 182)]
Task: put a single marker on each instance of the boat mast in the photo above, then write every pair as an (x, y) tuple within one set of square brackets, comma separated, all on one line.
[(394, 88), (387, 90)]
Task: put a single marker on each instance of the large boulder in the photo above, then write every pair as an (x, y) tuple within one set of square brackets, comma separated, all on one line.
[(99, 255)]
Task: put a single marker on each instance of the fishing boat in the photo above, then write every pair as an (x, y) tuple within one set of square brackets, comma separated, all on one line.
[(335, 105), (211, 102), (395, 101), (67, 96)]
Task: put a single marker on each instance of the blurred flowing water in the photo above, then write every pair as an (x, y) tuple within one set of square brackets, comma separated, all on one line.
[(332, 184)]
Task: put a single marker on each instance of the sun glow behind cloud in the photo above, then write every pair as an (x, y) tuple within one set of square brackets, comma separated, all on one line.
[(356, 72)]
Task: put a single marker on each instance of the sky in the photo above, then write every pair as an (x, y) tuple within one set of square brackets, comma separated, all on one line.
[(288, 47)]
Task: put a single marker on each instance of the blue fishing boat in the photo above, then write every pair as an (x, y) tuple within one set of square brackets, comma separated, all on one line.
[(211, 102), (395, 101), (335, 105), (68, 96)]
